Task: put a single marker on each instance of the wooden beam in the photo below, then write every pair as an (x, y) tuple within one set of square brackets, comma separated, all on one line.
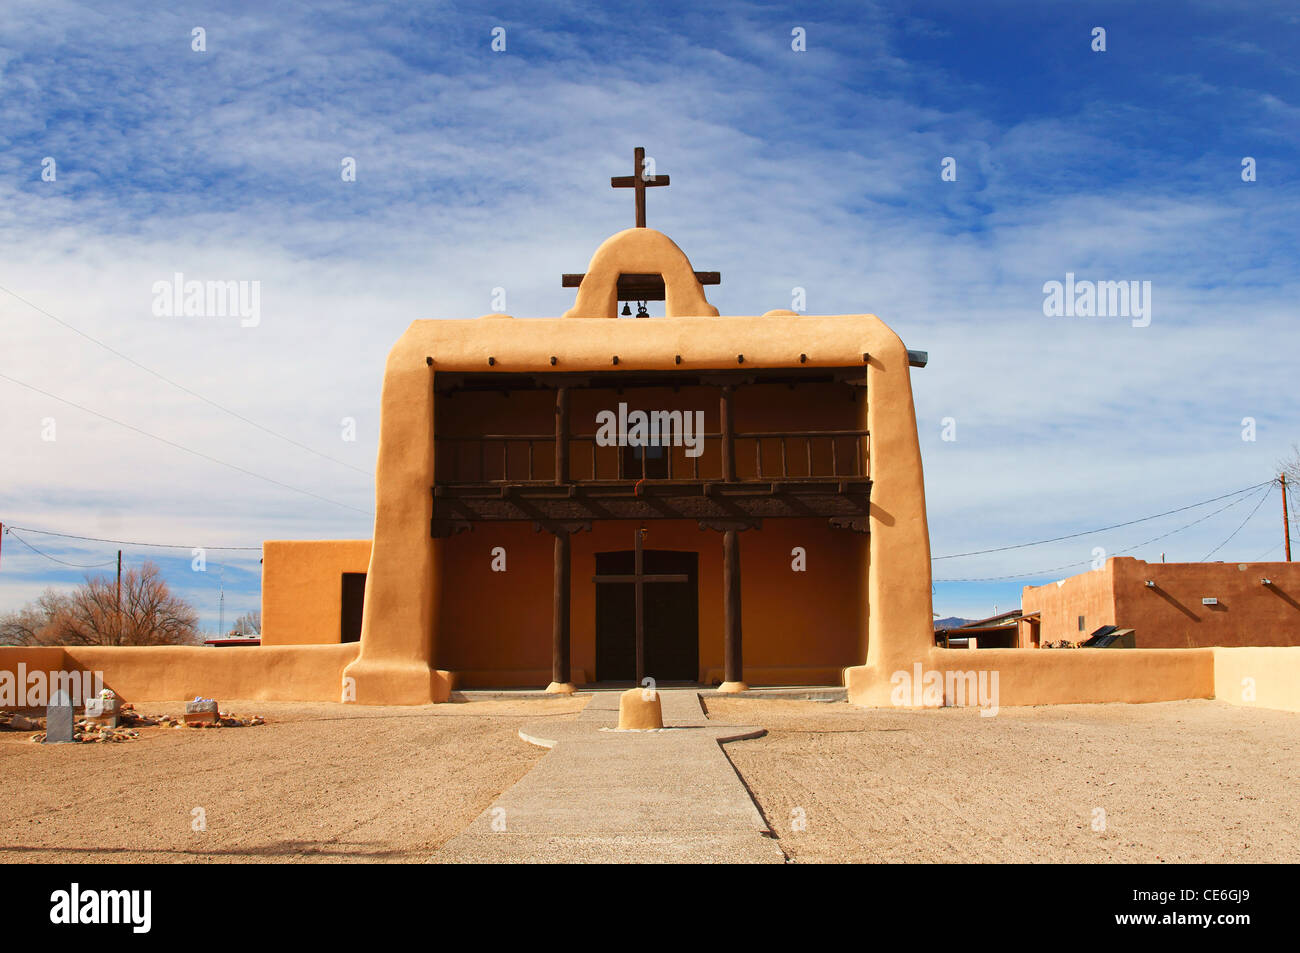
[(643, 287), (703, 277)]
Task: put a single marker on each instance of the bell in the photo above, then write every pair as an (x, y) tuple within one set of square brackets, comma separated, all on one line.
[(641, 312), (627, 310)]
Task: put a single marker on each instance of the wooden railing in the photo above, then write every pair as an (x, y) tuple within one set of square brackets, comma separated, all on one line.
[(766, 456)]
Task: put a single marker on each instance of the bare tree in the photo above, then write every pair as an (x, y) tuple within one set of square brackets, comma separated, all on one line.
[(37, 622), (147, 614), (1291, 466), (250, 623)]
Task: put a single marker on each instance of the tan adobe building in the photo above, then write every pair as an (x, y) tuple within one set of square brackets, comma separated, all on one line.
[(1169, 605)]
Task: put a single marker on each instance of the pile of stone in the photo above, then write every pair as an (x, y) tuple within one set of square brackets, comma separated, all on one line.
[(219, 719), (91, 730), (12, 721)]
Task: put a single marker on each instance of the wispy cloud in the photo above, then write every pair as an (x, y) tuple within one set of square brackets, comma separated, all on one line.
[(478, 170)]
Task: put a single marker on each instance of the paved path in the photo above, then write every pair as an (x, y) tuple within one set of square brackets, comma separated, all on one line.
[(601, 795)]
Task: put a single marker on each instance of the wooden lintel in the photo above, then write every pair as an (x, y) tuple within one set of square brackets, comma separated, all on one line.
[(724, 526), (565, 527)]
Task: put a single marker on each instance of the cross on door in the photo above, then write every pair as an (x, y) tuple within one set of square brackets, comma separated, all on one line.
[(640, 577)]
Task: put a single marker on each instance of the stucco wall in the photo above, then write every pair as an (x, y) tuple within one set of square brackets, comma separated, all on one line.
[(1266, 677), (799, 627), (1171, 615), (302, 588), (1089, 594), (1081, 676), (174, 673)]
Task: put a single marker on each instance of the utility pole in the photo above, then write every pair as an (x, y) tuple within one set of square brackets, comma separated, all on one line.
[(119, 597), (1286, 522)]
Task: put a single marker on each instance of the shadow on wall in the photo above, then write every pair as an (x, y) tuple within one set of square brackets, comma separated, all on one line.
[(1176, 604), (1281, 594)]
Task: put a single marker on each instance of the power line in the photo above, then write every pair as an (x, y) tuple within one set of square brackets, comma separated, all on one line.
[(127, 542), (55, 559), (1267, 494), (1057, 539), (178, 446), (1084, 562), (1267, 552), (179, 386)]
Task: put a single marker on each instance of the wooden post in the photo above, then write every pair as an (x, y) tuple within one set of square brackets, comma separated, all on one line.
[(1286, 522), (728, 451), (638, 567), (561, 680), (562, 436), (733, 660)]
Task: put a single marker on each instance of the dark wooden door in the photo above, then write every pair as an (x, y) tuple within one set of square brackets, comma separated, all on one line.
[(672, 618), (354, 596)]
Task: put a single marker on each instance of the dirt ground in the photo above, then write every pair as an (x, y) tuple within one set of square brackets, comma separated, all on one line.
[(1188, 781), (1178, 781), (318, 782)]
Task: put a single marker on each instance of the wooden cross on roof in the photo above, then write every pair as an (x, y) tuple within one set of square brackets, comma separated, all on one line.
[(634, 287), (639, 181)]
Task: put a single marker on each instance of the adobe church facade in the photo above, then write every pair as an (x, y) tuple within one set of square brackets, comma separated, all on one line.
[(782, 542)]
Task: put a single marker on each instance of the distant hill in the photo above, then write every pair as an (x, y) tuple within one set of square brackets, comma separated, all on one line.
[(951, 622)]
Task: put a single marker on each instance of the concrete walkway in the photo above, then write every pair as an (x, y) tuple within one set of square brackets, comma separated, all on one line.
[(607, 796)]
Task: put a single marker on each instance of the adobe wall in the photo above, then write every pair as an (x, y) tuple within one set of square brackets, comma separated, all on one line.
[(302, 588), (1085, 676), (176, 673), (1171, 615), (800, 628), (1089, 594), (1265, 677)]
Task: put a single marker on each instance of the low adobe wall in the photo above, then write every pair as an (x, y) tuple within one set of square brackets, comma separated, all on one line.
[(1053, 676), (1087, 676), (180, 672), (1258, 677)]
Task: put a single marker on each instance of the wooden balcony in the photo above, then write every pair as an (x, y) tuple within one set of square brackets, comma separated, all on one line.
[(743, 477)]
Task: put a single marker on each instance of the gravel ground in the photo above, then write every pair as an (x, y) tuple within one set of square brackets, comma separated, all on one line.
[(1188, 781), (318, 782)]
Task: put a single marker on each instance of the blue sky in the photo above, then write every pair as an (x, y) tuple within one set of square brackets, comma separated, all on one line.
[(477, 170)]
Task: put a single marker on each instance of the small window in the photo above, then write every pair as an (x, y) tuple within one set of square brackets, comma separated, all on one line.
[(1080, 623)]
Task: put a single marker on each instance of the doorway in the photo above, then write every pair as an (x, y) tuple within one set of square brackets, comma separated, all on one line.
[(672, 618)]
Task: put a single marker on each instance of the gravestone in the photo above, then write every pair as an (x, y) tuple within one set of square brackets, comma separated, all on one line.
[(103, 711), (60, 723), (202, 711)]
